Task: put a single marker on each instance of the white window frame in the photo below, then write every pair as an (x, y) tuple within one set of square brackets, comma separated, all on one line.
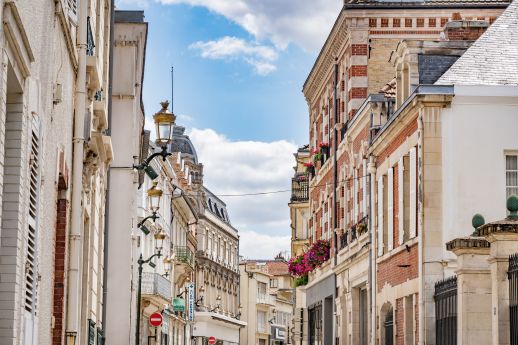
[(390, 209)]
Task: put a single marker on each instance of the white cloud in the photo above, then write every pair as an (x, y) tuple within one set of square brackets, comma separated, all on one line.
[(237, 167), (228, 48), (132, 3), (253, 245), (303, 22)]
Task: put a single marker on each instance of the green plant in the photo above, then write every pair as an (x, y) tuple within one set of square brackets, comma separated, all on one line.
[(300, 281)]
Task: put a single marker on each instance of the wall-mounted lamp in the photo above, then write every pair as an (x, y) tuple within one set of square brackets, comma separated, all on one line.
[(71, 337)]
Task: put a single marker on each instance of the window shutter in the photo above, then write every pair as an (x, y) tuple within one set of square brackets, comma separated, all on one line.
[(413, 195), (390, 209), (31, 259), (355, 196), (401, 204), (72, 8), (380, 216), (364, 188)]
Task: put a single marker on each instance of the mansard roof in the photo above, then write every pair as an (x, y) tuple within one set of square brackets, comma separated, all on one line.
[(182, 143), (492, 59), (216, 206)]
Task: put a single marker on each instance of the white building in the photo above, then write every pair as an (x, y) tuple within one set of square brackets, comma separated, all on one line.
[(129, 49), (54, 157)]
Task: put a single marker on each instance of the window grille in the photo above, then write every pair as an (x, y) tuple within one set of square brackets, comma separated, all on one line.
[(446, 311)]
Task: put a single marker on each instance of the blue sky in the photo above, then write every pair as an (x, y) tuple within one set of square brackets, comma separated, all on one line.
[(239, 70)]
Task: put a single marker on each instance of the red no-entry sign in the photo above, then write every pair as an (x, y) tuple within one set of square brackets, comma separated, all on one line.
[(155, 319), (212, 340)]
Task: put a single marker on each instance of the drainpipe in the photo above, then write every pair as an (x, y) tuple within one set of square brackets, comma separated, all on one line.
[(335, 183), (371, 169), (420, 234), (75, 237)]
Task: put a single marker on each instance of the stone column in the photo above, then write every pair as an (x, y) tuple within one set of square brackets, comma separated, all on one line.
[(503, 236), (473, 290)]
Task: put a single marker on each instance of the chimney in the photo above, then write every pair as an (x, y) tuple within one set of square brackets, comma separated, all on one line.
[(464, 30)]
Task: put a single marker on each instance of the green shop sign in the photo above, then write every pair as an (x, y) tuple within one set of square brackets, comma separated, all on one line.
[(178, 304)]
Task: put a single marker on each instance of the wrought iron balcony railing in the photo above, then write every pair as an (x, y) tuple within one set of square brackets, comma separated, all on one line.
[(184, 255), (155, 284), (300, 188), (90, 44)]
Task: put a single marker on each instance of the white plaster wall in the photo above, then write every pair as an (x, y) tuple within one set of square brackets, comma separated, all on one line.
[(480, 126)]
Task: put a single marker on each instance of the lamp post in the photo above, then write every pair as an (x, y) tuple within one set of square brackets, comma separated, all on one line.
[(154, 194), (164, 123), (159, 238)]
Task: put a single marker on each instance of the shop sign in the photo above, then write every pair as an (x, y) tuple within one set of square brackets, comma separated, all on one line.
[(178, 304), (191, 301)]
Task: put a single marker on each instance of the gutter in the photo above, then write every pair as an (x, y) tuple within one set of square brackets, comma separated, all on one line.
[(74, 271)]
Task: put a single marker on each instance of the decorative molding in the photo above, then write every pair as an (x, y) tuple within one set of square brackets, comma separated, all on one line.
[(17, 38)]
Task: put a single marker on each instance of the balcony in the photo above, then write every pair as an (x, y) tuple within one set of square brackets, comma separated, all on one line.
[(353, 233), (183, 255), (266, 299), (156, 287), (300, 188)]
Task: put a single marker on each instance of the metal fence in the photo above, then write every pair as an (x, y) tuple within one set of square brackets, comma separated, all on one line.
[(512, 275), (446, 311), (184, 254)]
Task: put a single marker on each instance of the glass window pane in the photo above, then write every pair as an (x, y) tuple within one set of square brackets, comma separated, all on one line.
[(511, 162), (511, 178)]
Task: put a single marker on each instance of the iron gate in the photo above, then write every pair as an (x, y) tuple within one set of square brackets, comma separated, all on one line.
[(446, 311), (512, 275)]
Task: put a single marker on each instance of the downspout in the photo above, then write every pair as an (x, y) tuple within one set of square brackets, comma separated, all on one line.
[(335, 182), (75, 236), (420, 234), (371, 168), (107, 197)]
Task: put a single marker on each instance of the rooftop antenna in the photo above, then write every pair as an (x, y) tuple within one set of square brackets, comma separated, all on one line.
[(172, 89)]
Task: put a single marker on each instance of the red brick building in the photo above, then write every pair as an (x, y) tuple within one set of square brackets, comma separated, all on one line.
[(364, 197)]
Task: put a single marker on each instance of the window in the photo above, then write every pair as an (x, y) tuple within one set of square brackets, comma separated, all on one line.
[(274, 283), (511, 175), (261, 289), (261, 321)]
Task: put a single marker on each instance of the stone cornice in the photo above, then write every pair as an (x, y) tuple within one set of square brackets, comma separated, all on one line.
[(468, 245), (325, 59)]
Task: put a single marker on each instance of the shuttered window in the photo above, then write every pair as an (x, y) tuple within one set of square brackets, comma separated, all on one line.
[(31, 259), (380, 216), (364, 188), (401, 201), (390, 209), (413, 193)]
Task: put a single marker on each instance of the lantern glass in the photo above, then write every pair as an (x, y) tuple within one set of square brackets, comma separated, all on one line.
[(164, 123), (167, 264), (154, 194), (159, 238)]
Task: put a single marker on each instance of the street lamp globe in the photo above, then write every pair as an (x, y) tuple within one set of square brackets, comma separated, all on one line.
[(164, 122), (154, 194), (159, 238), (167, 264)]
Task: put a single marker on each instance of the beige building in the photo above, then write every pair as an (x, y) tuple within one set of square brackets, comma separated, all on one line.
[(267, 302), (54, 157), (299, 202), (122, 234)]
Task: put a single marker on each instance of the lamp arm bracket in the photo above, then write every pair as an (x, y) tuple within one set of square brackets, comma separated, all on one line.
[(148, 160), (154, 216)]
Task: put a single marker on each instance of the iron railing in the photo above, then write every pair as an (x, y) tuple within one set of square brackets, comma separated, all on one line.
[(344, 240), (300, 191), (156, 284), (446, 311), (184, 255), (512, 275)]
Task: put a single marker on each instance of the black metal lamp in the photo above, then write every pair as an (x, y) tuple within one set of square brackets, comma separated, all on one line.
[(153, 195)]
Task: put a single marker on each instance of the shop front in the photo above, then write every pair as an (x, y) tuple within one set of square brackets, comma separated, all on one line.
[(278, 335), (224, 328)]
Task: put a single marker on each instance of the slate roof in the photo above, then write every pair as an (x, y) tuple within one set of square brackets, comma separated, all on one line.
[(216, 206), (493, 58), (432, 67), (182, 143), (394, 4)]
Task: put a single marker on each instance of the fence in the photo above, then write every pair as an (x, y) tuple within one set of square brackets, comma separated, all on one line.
[(512, 275), (446, 311)]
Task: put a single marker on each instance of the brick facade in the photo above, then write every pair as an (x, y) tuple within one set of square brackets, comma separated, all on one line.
[(394, 271)]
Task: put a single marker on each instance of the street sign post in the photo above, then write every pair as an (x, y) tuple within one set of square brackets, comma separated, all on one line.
[(156, 320), (212, 340)]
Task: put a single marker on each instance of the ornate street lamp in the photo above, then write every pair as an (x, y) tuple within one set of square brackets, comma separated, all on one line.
[(159, 238), (153, 196), (168, 263), (218, 304), (164, 124)]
